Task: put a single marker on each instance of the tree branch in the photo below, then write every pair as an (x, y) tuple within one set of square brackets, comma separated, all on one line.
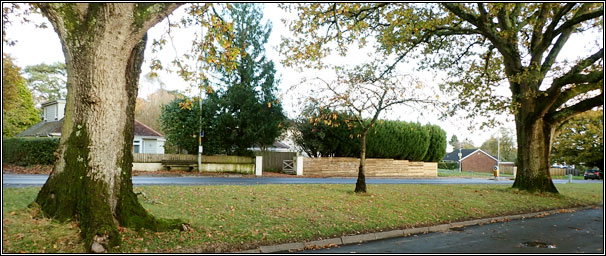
[(537, 31), (567, 78), (553, 53), (463, 15), (578, 19), (556, 18), (504, 21), (564, 114), (157, 16), (584, 83)]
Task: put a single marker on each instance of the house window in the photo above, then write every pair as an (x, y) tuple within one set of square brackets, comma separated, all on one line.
[(137, 146)]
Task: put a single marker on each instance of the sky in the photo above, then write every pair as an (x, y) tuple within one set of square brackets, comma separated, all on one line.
[(35, 46)]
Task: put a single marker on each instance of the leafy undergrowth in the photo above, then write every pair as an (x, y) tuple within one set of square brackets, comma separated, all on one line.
[(231, 218)]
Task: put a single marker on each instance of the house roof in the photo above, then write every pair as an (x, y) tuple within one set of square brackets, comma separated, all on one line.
[(44, 129), (454, 155), (143, 130), (279, 144)]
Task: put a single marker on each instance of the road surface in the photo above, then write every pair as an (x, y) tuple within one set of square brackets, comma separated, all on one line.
[(575, 232), (20, 180)]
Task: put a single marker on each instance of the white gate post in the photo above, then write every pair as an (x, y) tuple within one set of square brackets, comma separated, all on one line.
[(299, 162), (258, 165)]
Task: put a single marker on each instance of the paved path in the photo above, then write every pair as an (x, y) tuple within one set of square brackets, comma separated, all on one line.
[(20, 180), (575, 232)]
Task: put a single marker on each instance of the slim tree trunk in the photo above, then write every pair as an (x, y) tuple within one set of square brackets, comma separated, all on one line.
[(361, 182), (534, 145), (91, 180)]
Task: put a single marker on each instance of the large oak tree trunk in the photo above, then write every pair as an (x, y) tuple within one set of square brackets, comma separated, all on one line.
[(91, 180), (534, 144), (361, 182)]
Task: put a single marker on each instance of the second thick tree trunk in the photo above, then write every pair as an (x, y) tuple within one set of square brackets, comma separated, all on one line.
[(534, 144)]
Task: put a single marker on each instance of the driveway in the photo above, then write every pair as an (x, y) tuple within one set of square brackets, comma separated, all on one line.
[(20, 180)]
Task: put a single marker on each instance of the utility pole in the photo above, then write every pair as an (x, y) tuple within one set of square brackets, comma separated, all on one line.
[(460, 154), (498, 149), (201, 133)]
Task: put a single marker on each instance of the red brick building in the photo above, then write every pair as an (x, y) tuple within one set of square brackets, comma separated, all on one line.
[(474, 160)]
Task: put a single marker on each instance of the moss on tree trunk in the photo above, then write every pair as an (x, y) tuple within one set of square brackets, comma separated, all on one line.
[(91, 180), (534, 144)]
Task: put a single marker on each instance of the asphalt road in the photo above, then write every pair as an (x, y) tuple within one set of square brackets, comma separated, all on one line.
[(20, 180), (576, 232)]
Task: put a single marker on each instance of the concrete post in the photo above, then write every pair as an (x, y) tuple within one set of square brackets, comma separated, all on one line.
[(259, 165), (299, 161), (515, 168), (569, 178)]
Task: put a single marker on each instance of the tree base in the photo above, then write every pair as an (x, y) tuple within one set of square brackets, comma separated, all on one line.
[(541, 185)]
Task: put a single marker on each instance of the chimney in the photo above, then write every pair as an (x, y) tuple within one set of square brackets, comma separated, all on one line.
[(53, 110)]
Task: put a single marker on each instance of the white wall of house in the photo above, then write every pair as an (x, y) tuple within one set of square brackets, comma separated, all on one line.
[(53, 110), (148, 145)]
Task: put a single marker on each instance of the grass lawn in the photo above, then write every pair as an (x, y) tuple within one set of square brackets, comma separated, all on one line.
[(456, 173), (230, 218)]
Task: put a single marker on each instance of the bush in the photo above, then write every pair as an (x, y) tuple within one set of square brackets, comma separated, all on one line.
[(29, 151), (437, 144), (448, 165), (398, 140), (318, 136)]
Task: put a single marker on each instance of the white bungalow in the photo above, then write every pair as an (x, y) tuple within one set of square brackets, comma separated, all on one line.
[(146, 140)]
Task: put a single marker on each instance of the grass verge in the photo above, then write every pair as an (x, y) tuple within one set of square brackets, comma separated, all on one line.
[(456, 173), (230, 218)]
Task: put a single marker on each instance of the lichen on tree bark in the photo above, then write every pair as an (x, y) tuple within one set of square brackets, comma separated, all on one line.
[(91, 180)]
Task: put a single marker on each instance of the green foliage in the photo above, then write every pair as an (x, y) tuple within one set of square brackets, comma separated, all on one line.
[(506, 144), (18, 112), (481, 48), (454, 141), (29, 151), (398, 140), (581, 141), (243, 111), (328, 133), (448, 165), (248, 111), (437, 144), (48, 82), (180, 121), (467, 144)]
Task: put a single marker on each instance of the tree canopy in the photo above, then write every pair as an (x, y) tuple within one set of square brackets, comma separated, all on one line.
[(506, 150), (47, 81), (242, 109), (482, 47), (18, 112), (581, 141)]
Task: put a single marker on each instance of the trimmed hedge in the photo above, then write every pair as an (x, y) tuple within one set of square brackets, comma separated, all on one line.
[(448, 165), (387, 139), (29, 151), (437, 144), (397, 140)]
